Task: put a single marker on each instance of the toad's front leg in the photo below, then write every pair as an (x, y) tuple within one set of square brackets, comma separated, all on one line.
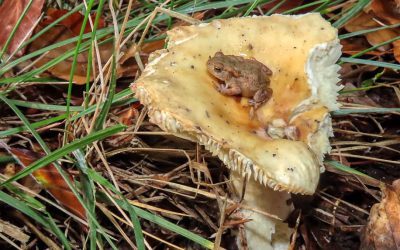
[(229, 89)]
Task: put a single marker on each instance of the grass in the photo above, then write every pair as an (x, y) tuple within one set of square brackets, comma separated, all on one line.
[(102, 184)]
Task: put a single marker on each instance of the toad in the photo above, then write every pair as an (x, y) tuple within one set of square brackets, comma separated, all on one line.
[(242, 77)]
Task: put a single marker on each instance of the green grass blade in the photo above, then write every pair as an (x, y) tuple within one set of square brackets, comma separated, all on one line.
[(118, 100), (22, 117), (101, 34), (210, 5), (370, 62), (23, 207), (53, 24), (93, 39), (39, 52), (40, 69), (252, 7), (322, 7), (53, 156), (73, 66), (136, 225), (132, 212), (107, 104), (14, 30), (151, 217), (47, 222), (171, 226), (273, 9), (26, 198), (375, 47), (37, 205), (57, 231), (358, 6), (365, 111), (6, 159), (363, 32), (345, 168), (42, 106), (44, 30), (304, 6), (34, 125), (89, 196)]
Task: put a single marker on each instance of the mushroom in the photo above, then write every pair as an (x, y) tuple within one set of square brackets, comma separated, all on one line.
[(283, 146)]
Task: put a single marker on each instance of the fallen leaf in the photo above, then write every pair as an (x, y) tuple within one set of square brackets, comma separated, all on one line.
[(356, 97), (153, 46), (127, 117), (10, 11), (362, 21), (73, 22), (380, 36), (386, 10), (287, 5), (383, 229), (68, 28), (128, 66), (365, 21), (232, 223), (52, 181), (396, 50), (353, 46), (11, 169), (374, 15)]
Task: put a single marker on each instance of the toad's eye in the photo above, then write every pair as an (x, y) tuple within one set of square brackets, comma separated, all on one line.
[(217, 69)]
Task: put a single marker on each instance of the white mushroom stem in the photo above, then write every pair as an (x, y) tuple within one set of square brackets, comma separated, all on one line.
[(263, 232)]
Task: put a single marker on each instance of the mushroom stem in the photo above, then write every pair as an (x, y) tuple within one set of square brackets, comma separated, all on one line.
[(262, 232)]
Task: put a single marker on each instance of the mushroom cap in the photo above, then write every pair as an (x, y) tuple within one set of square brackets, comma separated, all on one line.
[(181, 97)]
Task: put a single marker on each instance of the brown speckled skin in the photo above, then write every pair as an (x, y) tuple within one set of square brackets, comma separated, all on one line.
[(243, 77)]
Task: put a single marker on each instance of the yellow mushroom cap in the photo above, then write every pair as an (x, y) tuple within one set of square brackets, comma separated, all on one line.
[(182, 99)]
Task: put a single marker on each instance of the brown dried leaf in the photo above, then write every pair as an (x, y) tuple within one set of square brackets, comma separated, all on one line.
[(386, 10), (128, 66), (287, 5), (365, 21), (127, 117), (355, 45), (381, 36), (69, 28), (73, 22), (10, 11), (52, 181), (369, 19), (11, 169), (396, 50), (357, 97), (229, 223), (362, 21), (383, 228)]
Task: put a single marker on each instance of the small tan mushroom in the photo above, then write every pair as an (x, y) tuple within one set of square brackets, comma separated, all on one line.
[(283, 146)]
